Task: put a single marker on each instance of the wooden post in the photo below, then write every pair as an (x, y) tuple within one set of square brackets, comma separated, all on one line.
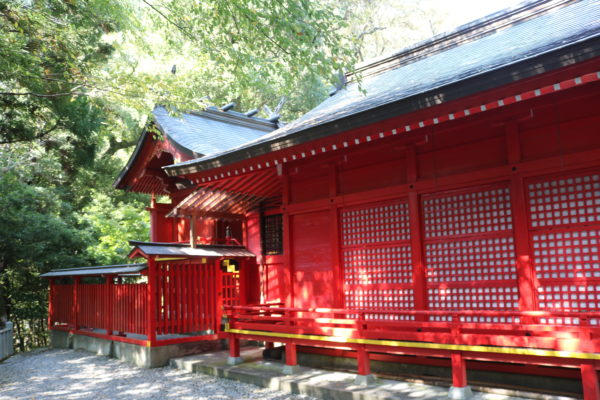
[(234, 346), (288, 268), (110, 304), (459, 370), (234, 342), (419, 273), (193, 231), (291, 359), (362, 358), (50, 303), (76, 302), (338, 275), (151, 302), (154, 228), (243, 281), (525, 269), (589, 381)]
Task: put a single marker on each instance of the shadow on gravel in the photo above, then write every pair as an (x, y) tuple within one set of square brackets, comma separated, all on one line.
[(68, 374)]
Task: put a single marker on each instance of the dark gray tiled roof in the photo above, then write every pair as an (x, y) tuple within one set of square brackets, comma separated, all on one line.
[(524, 40), (203, 133), (120, 269), (174, 249), (211, 131)]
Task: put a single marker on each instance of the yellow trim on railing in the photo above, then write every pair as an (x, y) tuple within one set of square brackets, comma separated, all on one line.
[(171, 259), (423, 345)]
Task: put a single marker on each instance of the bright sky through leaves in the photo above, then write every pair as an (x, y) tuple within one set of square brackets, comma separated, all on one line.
[(463, 11)]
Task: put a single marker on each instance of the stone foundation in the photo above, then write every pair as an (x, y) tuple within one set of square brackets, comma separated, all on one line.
[(141, 356)]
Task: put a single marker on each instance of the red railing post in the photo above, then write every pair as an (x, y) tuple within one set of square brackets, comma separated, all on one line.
[(291, 358), (589, 381), (76, 290), (110, 304), (459, 389), (234, 341), (151, 302), (459, 370), (51, 304)]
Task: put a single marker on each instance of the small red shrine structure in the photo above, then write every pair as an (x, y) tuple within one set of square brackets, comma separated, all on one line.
[(450, 216)]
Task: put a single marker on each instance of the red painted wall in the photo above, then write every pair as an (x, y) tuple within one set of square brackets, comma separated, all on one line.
[(476, 240), (311, 255)]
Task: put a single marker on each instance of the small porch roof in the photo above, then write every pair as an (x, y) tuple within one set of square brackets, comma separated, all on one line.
[(147, 249), (232, 196), (119, 269)]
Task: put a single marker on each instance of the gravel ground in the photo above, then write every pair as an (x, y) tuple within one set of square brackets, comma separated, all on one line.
[(69, 374)]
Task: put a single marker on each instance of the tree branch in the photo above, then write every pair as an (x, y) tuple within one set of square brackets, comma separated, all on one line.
[(72, 92), (169, 20), (37, 137)]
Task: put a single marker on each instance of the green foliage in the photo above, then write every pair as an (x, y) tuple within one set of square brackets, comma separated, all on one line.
[(38, 233), (111, 225), (78, 79)]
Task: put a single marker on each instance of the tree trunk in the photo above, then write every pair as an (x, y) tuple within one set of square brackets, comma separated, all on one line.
[(17, 324)]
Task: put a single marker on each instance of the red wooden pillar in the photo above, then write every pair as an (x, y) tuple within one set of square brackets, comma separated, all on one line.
[(362, 358), (419, 273), (76, 282), (151, 302), (364, 377), (338, 278), (589, 380), (218, 274), (525, 269), (459, 371), (291, 359), (154, 228), (110, 304), (244, 281), (51, 303), (288, 273), (234, 342), (414, 210), (234, 346)]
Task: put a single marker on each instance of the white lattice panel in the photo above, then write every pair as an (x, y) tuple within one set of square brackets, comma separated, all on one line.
[(565, 201), (467, 213), (564, 218), (473, 298), (567, 255), (469, 250), (375, 224), (376, 257), (569, 297), (381, 299), (377, 265), (485, 259)]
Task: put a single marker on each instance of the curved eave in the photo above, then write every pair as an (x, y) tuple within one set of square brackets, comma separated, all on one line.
[(462, 88), (124, 175), (119, 183)]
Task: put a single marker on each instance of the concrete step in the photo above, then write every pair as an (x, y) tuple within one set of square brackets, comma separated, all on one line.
[(319, 383)]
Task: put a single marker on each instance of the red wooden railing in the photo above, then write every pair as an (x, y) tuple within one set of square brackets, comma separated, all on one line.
[(61, 305), (130, 308), (110, 307), (533, 330), (187, 297)]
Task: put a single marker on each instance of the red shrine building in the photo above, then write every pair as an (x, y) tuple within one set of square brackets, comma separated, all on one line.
[(449, 216)]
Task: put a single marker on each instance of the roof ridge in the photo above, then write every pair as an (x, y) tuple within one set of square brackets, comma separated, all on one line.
[(468, 32), (233, 117)]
